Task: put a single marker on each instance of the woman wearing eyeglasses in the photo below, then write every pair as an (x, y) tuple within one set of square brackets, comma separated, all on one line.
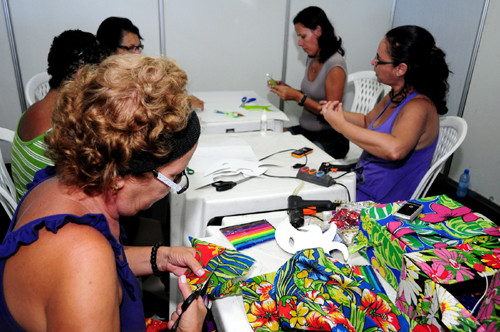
[(123, 133), (120, 36), (400, 134)]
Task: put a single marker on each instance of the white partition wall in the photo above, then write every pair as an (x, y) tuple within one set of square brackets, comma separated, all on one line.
[(226, 44)]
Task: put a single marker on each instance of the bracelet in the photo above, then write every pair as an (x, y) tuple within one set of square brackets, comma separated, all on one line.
[(302, 101), (154, 267)]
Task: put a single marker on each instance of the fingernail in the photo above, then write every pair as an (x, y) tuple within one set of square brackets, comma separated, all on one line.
[(183, 279), (179, 311), (200, 272)]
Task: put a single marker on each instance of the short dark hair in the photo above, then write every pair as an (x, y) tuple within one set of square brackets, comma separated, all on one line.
[(329, 43), (110, 32), (427, 68), (68, 52)]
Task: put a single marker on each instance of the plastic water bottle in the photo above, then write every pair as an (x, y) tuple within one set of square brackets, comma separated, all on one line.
[(463, 184), (263, 123)]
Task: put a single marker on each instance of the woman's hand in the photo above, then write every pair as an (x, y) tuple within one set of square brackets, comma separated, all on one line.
[(197, 103), (177, 259), (285, 92), (194, 316), (333, 112)]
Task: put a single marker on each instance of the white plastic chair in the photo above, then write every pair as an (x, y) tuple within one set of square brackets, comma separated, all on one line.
[(7, 188), (452, 131), (367, 90), (36, 88)]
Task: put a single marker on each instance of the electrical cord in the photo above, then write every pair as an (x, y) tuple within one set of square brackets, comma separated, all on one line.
[(272, 154)]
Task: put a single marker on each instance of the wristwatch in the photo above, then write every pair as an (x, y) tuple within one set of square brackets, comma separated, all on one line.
[(302, 101)]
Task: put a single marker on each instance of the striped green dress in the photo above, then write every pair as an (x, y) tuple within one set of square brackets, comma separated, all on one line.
[(27, 159)]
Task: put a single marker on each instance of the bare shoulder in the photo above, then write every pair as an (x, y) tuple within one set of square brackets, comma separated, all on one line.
[(72, 271)]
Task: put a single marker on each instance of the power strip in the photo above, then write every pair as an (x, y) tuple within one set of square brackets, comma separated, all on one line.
[(325, 180)]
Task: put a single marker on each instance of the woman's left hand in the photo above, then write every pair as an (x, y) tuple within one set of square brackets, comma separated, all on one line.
[(177, 259), (333, 113), (285, 92)]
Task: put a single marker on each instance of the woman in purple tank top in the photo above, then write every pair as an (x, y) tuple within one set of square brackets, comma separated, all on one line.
[(400, 134)]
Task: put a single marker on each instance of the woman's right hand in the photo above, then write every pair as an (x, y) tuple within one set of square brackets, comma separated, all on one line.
[(194, 316)]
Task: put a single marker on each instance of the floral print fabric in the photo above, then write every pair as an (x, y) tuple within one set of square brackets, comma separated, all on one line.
[(442, 223), (433, 281), (313, 292), (227, 265)]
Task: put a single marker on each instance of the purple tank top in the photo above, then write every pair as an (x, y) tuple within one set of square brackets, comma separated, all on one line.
[(131, 309), (386, 181)]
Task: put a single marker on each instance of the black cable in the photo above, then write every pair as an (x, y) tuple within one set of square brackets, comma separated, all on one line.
[(300, 165), (272, 154), (348, 193)]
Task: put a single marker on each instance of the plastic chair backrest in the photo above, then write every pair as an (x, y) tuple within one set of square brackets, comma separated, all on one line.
[(452, 132), (7, 188), (367, 91), (36, 88)]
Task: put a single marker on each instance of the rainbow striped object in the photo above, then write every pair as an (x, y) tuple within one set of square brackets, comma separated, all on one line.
[(247, 235)]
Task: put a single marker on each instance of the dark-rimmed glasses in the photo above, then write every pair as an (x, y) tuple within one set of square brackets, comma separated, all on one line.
[(174, 184), (380, 62), (132, 48)]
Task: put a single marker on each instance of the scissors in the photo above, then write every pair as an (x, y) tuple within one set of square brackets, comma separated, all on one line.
[(226, 185), (199, 292), (245, 101)]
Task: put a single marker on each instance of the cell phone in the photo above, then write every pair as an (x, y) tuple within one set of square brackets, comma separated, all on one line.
[(301, 152), (408, 211)]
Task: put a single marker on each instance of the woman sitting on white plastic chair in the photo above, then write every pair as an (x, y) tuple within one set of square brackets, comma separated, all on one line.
[(400, 134), (69, 51)]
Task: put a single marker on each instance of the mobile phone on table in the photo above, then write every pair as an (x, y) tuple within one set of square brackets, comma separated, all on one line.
[(301, 152), (408, 211)]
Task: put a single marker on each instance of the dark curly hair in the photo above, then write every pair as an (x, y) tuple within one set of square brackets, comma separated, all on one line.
[(328, 42), (68, 52), (110, 32), (110, 114), (427, 68)]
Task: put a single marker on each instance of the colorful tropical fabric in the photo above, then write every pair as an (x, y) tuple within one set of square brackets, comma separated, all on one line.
[(443, 286), (227, 265), (443, 222), (311, 291)]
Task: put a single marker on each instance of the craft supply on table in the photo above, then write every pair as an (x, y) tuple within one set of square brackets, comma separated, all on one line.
[(247, 235), (257, 107), (230, 114)]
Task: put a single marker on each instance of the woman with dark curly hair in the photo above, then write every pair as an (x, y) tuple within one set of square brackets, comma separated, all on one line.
[(400, 134), (69, 51), (122, 135), (324, 79)]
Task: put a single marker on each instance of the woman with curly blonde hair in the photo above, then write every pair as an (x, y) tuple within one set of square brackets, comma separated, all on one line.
[(122, 136)]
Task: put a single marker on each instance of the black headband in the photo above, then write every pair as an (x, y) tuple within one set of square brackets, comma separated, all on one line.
[(179, 143)]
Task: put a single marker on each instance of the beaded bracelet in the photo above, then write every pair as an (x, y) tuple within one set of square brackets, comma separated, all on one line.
[(154, 267)]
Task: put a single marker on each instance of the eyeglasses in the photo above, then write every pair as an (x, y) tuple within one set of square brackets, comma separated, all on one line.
[(380, 62), (174, 184), (132, 48)]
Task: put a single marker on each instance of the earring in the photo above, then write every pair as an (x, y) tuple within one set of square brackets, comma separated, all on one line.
[(397, 74), (115, 189)]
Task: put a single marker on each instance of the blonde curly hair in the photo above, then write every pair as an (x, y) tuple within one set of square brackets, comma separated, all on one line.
[(126, 107)]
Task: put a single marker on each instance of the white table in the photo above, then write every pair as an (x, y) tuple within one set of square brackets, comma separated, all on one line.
[(230, 101), (191, 211), (229, 312)]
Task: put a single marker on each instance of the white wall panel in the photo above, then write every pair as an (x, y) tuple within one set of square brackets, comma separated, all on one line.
[(226, 44), (480, 151)]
